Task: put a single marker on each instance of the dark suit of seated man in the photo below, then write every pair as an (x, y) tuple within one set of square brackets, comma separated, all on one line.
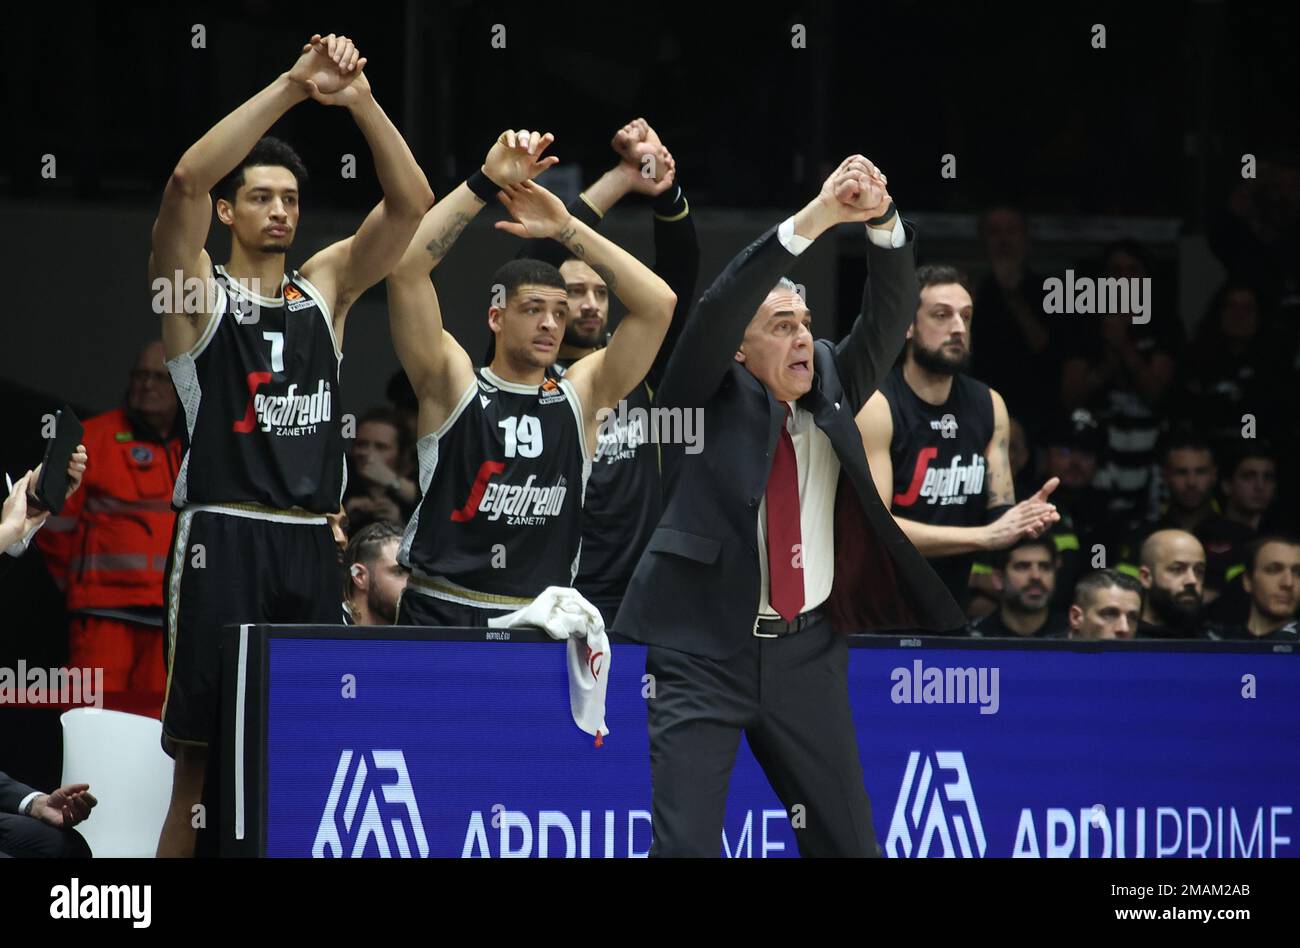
[(774, 542), (39, 825)]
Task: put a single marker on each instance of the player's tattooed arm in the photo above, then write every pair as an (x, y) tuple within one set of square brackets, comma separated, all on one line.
[(447, 235), (570, 238), (515, 156)]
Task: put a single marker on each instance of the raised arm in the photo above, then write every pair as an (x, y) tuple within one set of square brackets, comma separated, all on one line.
[(714, 331), (438, 367), (344, 270), (609, 374), (889, 297), (326, 65)]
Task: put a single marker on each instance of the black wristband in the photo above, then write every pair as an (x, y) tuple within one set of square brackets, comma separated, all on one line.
[(483, 187), (669, 202), (877, 221)]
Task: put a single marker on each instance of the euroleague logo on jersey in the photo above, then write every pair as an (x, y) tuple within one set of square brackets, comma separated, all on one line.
[(294, 299), (943, 486), (523, 505), (550, 392), (292, 414)]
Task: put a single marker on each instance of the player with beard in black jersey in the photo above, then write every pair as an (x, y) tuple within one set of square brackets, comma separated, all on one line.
[(254, 353), (936, 442), (505, 451)]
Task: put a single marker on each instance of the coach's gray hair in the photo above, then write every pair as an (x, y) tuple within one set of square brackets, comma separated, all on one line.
[(785, 283)]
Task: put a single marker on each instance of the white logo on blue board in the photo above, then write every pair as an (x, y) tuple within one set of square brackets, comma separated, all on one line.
[(922, 820), (349, 832)]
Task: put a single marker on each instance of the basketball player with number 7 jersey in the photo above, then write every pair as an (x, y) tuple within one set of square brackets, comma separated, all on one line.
[(255, 357)]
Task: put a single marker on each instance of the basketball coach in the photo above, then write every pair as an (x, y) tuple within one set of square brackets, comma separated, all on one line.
[(773, 542)]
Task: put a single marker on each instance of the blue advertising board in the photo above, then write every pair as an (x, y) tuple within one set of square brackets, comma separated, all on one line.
[(375, 745)]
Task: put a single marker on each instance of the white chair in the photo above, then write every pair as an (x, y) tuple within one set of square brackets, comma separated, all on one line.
[(121, 757)]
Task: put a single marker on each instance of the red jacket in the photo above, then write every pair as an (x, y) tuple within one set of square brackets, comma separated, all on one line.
[(108, 546)]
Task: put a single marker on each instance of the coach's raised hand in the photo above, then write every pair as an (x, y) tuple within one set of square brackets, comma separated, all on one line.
[(330, 70), (855, 191)]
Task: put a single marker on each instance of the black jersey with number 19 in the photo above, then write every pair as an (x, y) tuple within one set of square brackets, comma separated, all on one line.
[(260, 393), (503, 482)]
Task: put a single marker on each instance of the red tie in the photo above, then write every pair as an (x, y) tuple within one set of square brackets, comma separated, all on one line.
[(784, 549)]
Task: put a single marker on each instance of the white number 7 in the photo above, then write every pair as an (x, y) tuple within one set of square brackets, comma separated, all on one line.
[(277, 350)]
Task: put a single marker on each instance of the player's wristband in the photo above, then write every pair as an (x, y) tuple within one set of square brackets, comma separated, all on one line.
[(483, 187), (669, 203), (877, 221)]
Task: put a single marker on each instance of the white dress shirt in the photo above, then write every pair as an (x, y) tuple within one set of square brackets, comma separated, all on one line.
[(818, 467), (819, 474)]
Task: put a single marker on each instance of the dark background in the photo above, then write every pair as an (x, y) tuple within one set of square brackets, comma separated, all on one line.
[(1017, 92)]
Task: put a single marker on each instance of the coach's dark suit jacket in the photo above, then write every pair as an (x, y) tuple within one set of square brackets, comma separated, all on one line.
[(696, 588), (11, 793)]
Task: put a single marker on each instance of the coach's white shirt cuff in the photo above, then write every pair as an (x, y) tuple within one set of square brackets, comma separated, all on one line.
[(889, 239), (19, 546), (789, 239), (22, 807)]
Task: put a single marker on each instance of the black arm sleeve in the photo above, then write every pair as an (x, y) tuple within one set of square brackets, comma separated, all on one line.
[(677, 262)]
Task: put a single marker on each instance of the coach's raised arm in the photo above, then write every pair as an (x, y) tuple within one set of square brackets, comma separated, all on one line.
[(716, 328), (773, 539)]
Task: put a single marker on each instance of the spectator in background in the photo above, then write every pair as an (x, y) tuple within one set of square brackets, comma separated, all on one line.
[(1106, 605), (373, 578), (1124, 372), (1173, 575), (1014, 331), (1272, 581), (1257, 236), (107, 548), (380, 463), (1073, 444), (40, 825), (1024, 577), (1232, 369), (1188, 474), (1249, 488)]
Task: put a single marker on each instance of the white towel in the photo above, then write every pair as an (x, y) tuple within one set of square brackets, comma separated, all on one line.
[(566, 615)]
